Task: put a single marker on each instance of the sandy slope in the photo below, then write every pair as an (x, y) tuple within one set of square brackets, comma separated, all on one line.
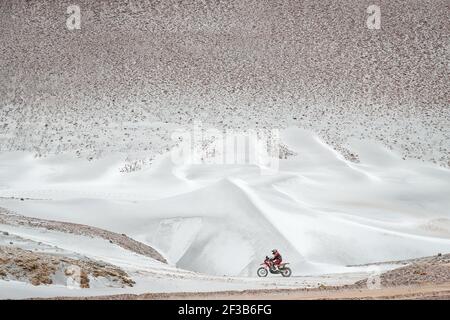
[(37, 260), (322, 211), (122, 240), (214, 223)]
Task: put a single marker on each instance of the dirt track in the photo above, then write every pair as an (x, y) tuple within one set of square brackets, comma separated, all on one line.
[(430, 291), (404, 292)]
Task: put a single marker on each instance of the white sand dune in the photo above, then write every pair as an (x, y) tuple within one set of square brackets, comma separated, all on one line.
[(322, 211)]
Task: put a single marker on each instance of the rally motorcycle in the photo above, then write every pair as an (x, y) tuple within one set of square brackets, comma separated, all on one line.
[(267, 266)]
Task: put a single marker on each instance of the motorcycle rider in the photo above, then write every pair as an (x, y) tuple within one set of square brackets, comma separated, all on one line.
[(276, 259)]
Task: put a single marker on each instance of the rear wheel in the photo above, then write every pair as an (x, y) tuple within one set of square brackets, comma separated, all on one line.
[(262, 272), (286, 272)]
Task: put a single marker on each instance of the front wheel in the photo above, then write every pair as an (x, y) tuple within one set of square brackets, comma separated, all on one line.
[(262, 272), (286, 272)]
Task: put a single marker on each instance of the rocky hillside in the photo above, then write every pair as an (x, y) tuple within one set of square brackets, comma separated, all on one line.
[(43, 269), (427, 270), (231, 64)]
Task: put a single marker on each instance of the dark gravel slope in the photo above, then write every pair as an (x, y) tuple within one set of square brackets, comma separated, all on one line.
[(231, 64)]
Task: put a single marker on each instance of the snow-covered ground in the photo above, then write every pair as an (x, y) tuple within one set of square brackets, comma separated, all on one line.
[(320, 210)]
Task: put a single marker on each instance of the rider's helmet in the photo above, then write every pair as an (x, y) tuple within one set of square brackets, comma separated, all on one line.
[(274, 251)]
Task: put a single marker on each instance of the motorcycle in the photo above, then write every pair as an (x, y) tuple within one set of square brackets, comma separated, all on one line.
[(267, 266)]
